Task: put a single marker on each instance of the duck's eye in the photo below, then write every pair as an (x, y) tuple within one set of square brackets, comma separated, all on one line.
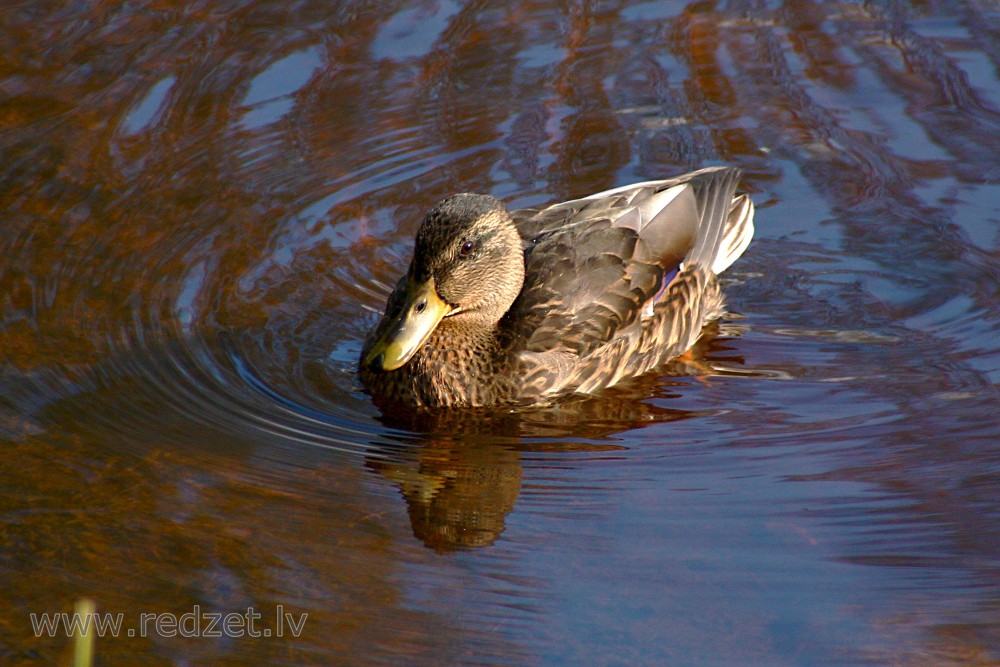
[(467, 248)]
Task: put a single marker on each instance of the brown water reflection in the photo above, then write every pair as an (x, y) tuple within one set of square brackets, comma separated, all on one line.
[(204, 205)]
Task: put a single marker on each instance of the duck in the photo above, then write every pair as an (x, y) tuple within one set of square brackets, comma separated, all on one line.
[(522, 307)]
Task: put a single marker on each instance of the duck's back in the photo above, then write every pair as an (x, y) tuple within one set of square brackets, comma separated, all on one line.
[(623, 280)]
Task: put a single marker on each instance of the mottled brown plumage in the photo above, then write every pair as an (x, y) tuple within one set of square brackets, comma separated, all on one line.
[(521, 307)]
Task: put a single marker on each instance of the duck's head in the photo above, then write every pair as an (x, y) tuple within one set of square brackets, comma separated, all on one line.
[(467, 270)]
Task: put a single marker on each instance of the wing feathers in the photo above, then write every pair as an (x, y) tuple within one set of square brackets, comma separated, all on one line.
[(597, 269)]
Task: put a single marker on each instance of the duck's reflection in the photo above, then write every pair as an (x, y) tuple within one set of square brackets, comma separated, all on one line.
[(462, 476), (458, 493)]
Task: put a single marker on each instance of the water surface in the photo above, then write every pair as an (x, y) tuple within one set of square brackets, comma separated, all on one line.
[(205, 205)]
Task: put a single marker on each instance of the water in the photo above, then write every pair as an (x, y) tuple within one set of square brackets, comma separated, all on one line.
[(205, 205)]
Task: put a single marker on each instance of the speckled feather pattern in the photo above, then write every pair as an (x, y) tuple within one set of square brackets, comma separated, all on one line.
[(593, 308)]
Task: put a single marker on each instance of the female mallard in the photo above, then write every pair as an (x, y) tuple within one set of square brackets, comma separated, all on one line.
[(502, 307)]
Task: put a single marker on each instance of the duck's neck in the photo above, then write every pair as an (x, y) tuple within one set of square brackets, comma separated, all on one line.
[(462, 365)]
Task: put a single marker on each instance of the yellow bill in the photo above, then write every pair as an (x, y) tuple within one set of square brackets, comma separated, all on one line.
[(422, 310)]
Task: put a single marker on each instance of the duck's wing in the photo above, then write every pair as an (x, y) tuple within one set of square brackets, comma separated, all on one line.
[(596, 266)]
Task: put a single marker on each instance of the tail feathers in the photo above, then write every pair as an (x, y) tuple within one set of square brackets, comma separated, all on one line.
[(736, 235), (713, 191)]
